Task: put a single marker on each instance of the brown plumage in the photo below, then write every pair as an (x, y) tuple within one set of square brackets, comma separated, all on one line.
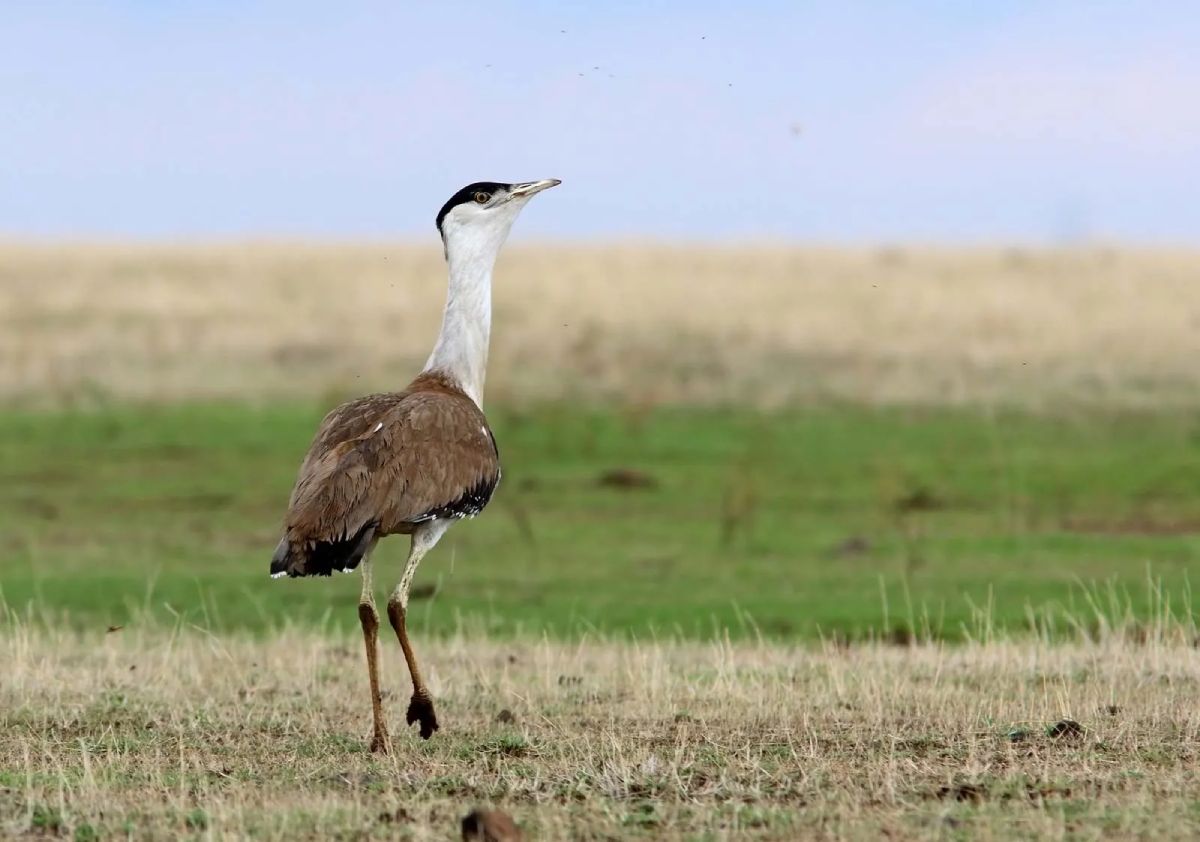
[(382, 464)]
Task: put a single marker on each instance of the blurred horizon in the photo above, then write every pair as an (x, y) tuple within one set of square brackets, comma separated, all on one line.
[(840, 124)]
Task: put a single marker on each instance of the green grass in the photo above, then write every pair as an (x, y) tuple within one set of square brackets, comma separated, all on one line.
[(830, 520)]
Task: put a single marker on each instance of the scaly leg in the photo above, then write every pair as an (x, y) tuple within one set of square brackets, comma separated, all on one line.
[(369, 617), (420, 709)]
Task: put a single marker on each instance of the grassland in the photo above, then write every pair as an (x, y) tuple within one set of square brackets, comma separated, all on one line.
[(835, 520), (151, 734), (791, 543), (835, 441), (630, 325)]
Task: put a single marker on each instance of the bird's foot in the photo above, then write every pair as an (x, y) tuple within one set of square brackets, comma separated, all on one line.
[(381, 743), (420, 709)]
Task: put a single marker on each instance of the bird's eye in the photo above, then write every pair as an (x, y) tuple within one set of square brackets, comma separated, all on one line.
[(482, 197)]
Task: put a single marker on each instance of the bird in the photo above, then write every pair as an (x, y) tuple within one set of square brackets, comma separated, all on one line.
[(411, 462)]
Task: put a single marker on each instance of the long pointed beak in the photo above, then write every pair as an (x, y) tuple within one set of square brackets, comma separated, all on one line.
[(531, 187)]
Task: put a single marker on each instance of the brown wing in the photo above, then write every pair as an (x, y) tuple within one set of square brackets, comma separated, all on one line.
[(392, 461)]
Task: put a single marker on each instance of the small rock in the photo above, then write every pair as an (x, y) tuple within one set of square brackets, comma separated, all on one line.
[(1065, 728), (628, 478), (963, 792), (490, 826), (919, 499), (397, 816), (855, 545), (422, 591)]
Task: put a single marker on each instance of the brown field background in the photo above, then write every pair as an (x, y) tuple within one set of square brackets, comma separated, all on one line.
[(181, 733), (639, 324), (153, 732)]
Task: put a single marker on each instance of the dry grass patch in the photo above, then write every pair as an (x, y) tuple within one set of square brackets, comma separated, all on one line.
[(642, 324), (153, 734)]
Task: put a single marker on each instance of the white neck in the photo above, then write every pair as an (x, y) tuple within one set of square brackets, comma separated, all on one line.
[(461, 350)]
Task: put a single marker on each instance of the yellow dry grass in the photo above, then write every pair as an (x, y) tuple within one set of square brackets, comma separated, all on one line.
[(151, 734), (638, 324)]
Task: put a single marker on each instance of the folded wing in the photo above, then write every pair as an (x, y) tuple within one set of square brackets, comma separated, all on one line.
[(381, 465)]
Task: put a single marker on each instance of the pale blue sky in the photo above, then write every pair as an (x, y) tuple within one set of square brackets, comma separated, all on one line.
[(817, 122)]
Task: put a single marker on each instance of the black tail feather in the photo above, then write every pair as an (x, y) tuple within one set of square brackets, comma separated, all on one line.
[(321, 558)]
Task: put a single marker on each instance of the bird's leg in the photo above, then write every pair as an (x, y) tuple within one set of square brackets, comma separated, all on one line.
[(420, 709), (369, 617)]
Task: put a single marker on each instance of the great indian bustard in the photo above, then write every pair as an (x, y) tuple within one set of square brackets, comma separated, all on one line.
[(410, 462)]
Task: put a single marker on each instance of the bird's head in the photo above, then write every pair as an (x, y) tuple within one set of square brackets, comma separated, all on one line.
[(477, 219)]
